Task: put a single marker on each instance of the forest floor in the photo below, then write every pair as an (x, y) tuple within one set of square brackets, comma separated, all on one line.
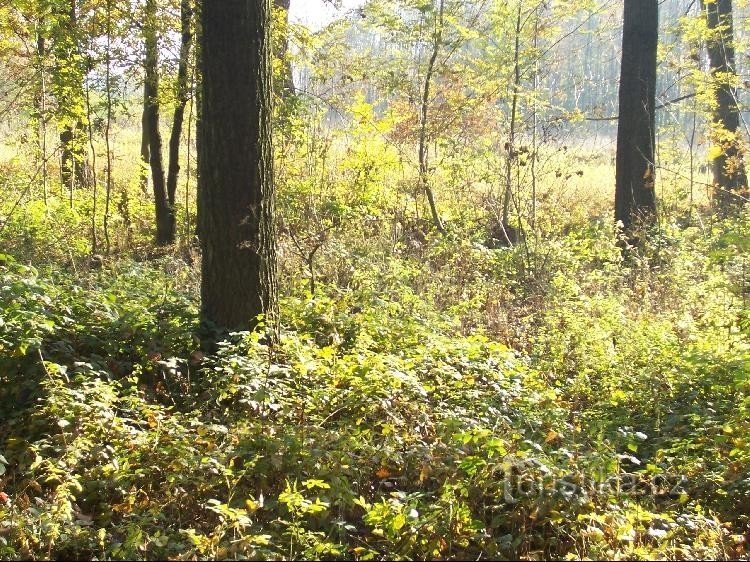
[(434, 397)]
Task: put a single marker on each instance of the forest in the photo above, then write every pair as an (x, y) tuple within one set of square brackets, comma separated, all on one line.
[(433, 279)]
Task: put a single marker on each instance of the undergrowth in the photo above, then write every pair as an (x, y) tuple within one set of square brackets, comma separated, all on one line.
[(441, 400)]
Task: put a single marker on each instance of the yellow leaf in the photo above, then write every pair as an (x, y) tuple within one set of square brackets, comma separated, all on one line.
[(714, 152)]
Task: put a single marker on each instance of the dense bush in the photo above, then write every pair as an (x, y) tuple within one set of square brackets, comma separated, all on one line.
[(377, 427)]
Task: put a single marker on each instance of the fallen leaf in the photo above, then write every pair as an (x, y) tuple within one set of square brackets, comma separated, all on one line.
[(383, 473)]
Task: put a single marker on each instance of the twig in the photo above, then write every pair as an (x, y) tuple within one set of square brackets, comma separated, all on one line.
[(661, 106)]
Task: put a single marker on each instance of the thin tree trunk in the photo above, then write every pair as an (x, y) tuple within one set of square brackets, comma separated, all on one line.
[(67, 161), (423, 121), (728, 169), (534, 122), (691, 145), (635, 196), (183, 95), (188, 219), (198, 89), (94, 181), (285, 87), (511, 148), (236, 188), (108, 126), (81, 165), (513, 116), (41, 107), (145, 151), (165, 220)]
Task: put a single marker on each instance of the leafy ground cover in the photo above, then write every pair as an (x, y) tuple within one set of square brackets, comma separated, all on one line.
[(443, 400)]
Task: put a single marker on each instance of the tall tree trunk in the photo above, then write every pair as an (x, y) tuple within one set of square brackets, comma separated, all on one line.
[(183, 94), (635, 196), (728, 169), (423, 121), (285, 87), (236, 189), (165, 219)]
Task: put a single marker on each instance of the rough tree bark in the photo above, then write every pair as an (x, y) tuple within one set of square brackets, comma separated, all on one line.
[(236, 189), (165, 219), (728, 170), (635, 196)]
